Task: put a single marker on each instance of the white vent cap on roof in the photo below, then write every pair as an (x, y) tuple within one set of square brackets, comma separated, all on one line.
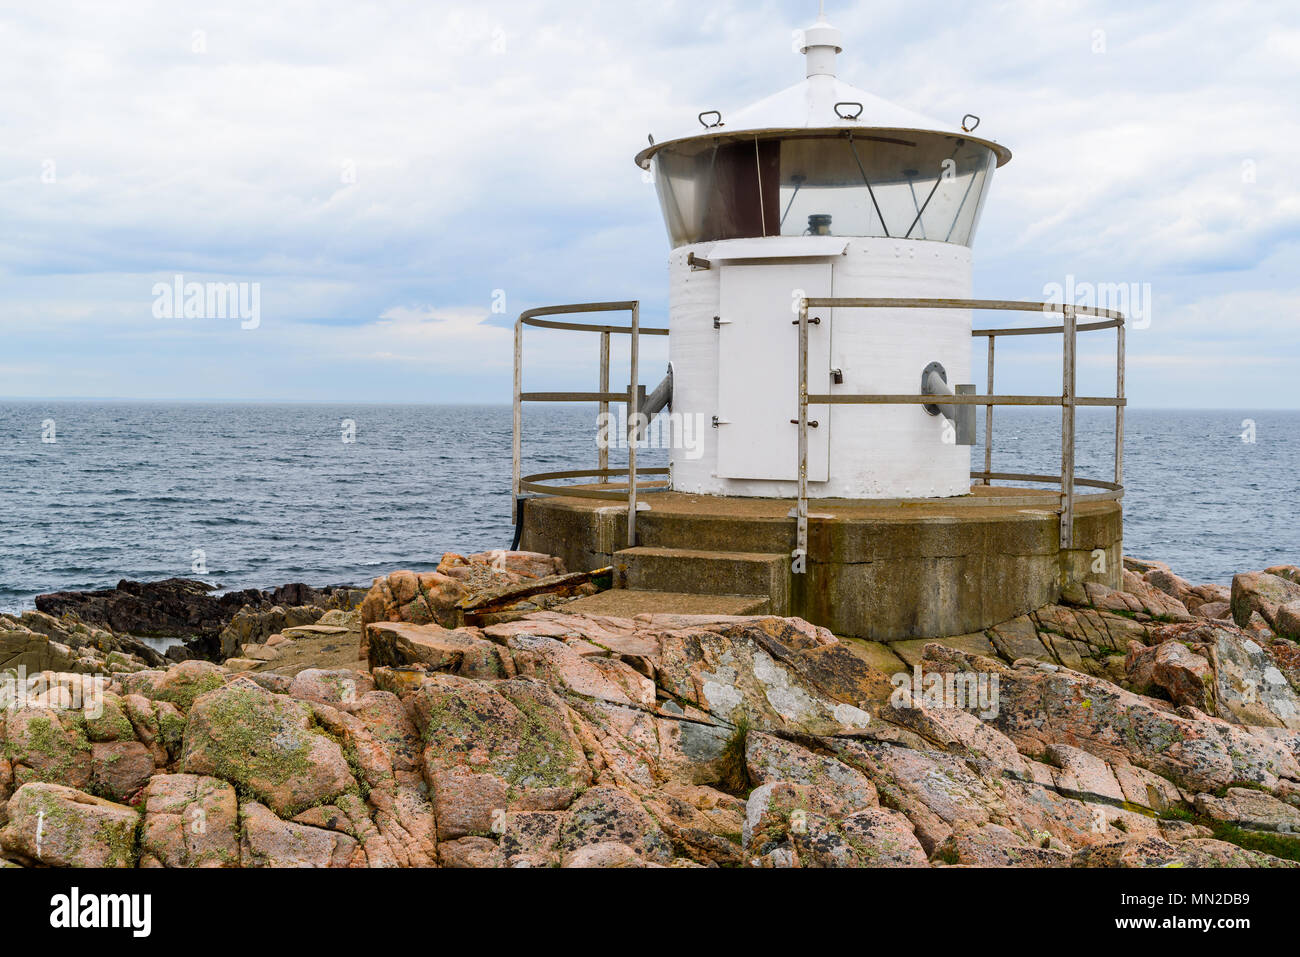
[(821, 42)]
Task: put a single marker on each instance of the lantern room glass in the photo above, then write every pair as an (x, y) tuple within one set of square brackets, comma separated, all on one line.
[(925, 186)]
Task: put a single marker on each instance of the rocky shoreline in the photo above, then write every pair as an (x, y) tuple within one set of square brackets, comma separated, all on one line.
[(464, 718)]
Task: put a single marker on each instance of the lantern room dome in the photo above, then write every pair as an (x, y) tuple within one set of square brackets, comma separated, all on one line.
[(812, 105), (823, 157), (821, 101)]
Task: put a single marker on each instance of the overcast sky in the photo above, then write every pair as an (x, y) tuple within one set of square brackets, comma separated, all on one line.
[(387, 171)]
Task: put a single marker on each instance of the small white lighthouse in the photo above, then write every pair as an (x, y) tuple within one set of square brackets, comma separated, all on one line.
[(822, 190), (820, 321)]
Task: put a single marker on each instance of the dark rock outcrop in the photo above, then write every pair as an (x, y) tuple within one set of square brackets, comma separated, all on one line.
[(176, 607), (183, 607)]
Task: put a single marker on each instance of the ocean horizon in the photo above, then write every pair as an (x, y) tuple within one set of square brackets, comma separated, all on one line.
[(259, 494)]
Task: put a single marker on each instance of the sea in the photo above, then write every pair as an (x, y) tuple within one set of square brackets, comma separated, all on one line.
[(252, 495)]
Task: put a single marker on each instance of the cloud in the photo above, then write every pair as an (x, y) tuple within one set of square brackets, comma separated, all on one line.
[(425, 335), (382, 169)]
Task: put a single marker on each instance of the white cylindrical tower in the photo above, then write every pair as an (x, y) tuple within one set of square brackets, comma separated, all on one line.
[(821, 190)]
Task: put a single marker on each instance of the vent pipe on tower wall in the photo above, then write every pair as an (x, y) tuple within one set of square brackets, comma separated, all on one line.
[(934, 381), (658, 400)]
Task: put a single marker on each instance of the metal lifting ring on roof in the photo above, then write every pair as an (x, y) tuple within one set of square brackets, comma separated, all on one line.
[(843, 114), (709, 126), (971, 128)]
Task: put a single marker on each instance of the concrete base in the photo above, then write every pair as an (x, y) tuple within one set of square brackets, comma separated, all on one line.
[(629, 602), (923, 568)]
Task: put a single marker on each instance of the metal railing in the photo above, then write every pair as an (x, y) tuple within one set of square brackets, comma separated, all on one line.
[(612, 491), (1068, 400)]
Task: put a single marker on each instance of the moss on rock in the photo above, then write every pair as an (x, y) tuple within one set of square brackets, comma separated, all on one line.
[(264, 744)]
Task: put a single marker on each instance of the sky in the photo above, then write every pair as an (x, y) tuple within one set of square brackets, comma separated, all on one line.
[(398, 180)]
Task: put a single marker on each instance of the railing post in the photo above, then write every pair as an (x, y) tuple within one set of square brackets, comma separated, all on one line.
[(1067, 429), (988, 422), (801, 507), (633, 413), (1119, 409), (518, 422), (602, 460)]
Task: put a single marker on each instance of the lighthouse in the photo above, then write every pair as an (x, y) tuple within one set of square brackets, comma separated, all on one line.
[(821, 329), (820, 190)]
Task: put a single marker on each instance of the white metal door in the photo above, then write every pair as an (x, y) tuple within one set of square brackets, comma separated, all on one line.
[(758, 376)]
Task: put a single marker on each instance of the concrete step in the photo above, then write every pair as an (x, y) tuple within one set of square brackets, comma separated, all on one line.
[(746, 533), (627, 602), (698, 572)]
